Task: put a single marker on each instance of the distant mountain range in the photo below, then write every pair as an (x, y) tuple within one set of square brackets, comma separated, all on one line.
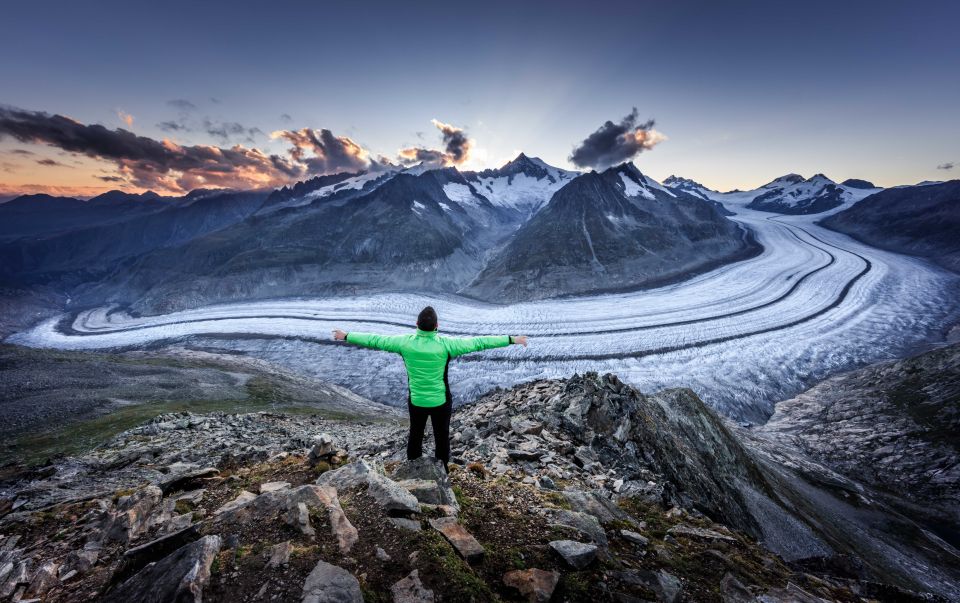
[(790, 194), (527, 230), (921, 220)]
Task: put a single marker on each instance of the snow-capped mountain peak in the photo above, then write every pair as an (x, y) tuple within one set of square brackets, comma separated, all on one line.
[(636, 184), (524, 183)]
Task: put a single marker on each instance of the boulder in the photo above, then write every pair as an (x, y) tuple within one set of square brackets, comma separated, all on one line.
[(536, 585), (180, 576), (461, 540), (733, 591), (18, 575), (387, 493), (665, 584), (635, 538), (331, 584), (132, 516), (411, 590), (586, 525), (596, 504), (577, 554)]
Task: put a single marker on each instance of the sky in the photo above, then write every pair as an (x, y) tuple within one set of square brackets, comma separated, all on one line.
[(174, 96)]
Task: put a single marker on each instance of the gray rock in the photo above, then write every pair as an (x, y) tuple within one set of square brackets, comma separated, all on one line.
[(43, 580), (411, 590), (382, 555), (273, 486), (299, 517), (383, 490), (587, 525), (577, 554), (331, 584), (406, 524), (635, 538), (732, 591), (280, 554), (596, 504), (19, 575), (181, 576), (241, 500), (322, 449)]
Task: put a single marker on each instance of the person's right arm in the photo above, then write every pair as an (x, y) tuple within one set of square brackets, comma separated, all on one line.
[(387, 343)]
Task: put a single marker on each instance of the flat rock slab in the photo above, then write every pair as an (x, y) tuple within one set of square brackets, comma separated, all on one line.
[(581, 522), (280, 554), (331, 584), (273, 486), (179, 576), (577, 554), (536, 585), (240, 501), (461, 540), (635, 538)]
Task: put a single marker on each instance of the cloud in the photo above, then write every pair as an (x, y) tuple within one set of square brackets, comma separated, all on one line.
[(456, 148), (22, 152), (946, 166), (285, 117), (322, 152), (225, 131), (172, 126), (125, 118), (53, 163), (111, 178), (614, 143), (181, 104), (165, 165)]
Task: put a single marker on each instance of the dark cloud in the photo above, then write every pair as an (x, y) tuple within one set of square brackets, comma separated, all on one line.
[(286, 117), (228, 130), (322, 152), (456, 148), (148, 163), (52, 163), (181, 104), (173, 126), (615, 143), (111, 178), (946, 166), (22, 152)]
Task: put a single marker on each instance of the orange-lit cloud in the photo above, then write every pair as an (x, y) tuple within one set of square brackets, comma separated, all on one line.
[(614, 143), (165, 165), (125, 118), (456, 149)]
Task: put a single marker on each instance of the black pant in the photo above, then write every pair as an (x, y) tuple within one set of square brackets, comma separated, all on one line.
[(440, 419)]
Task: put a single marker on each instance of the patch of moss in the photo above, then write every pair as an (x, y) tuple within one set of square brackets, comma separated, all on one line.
[(462, 583)]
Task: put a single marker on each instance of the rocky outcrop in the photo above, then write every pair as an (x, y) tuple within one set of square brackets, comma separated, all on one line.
[(181, 576)]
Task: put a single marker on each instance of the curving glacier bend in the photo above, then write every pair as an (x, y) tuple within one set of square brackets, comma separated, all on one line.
[(744, 336)]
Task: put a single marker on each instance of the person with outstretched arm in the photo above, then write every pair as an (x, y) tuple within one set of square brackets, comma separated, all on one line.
[(426, 355)]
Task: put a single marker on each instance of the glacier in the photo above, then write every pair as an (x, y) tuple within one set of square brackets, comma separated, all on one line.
[(743, 336)]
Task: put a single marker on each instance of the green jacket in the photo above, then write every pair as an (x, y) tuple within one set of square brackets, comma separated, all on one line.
[(426, 355)]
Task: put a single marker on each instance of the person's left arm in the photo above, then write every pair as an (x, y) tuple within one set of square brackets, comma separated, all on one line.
[(458, 346)]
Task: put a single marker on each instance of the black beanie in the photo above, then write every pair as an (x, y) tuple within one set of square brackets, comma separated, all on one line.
[(427, 320)]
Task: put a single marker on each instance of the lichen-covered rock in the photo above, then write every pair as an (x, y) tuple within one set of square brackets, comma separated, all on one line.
[(536, 585), (578, 555), (411, 590)]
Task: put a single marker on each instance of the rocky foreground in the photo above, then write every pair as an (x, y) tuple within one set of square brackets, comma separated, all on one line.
[(563, 490)]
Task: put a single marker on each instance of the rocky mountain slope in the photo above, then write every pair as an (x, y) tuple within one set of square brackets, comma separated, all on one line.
[(566, 490), (524, 184), (427, 232), (611, 230), (892, 426), (919, 220)]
